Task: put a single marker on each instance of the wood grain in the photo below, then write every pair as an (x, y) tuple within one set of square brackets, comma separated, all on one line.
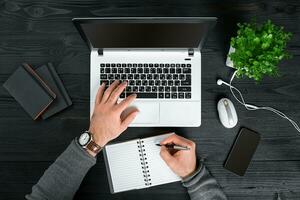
[(39, 31)]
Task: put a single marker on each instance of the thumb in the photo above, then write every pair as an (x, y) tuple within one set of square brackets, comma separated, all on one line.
[(129, 118), (166, 156)]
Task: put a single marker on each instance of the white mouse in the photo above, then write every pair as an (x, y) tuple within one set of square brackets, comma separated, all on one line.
[(227, 113)]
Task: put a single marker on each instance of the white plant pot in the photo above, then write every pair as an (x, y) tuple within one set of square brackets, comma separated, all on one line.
[(229, 62)]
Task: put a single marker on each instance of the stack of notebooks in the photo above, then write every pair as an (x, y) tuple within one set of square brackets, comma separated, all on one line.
[(40, 92)]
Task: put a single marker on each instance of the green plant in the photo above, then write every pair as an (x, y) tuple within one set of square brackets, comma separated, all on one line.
[(259, 49)]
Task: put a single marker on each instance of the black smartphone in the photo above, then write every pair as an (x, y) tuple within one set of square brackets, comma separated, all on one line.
[(242, 151)]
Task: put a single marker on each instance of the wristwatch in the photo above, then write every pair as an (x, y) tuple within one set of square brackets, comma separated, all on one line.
[(86, 141)]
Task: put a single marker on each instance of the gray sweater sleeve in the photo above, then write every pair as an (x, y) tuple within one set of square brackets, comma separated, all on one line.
[(201, 185), (63, 178)]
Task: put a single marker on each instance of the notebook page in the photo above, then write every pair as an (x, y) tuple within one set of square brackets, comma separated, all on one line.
[(159, 171), (125, 166)]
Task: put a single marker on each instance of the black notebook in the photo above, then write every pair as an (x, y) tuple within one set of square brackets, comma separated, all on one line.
[(29, 90), (62, 101), (137, 164)]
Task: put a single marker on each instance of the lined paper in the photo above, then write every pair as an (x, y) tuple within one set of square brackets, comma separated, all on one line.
[(125, 166)]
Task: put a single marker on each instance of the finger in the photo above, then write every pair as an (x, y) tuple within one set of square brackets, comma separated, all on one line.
[(126, 102), (176, 139), (109, 90), (167, 157), (117, 92), (100, 93), (129, 119)]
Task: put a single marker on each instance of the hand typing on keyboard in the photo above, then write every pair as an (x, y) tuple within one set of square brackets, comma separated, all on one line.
[(106, 122)]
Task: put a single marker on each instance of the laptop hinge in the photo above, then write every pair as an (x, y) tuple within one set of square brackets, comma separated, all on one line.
[(191, 52), (100, 52)]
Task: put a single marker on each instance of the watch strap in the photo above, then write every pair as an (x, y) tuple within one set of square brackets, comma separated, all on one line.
[(92, 146)]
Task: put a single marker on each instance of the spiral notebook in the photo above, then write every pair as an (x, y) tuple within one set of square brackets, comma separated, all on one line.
[(137, 164)]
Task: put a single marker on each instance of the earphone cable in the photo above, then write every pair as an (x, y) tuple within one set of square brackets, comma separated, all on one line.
[(253, 107)]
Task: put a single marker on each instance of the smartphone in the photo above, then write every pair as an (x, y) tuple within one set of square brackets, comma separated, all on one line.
[(242, 151)]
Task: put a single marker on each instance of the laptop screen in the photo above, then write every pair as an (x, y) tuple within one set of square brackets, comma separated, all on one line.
[(116, 34)]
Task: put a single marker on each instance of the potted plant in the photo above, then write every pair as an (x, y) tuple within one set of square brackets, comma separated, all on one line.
[(257, 50)]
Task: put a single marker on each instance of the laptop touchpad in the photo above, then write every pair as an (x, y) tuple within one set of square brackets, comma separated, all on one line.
[(149, 112)]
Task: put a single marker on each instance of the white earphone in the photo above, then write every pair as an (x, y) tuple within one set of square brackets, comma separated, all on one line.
[(254, 107)]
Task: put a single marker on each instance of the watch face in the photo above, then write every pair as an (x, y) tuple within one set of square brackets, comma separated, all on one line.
[(84, 139)]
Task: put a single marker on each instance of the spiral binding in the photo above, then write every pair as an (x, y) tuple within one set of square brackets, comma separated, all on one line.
[(144, 162)]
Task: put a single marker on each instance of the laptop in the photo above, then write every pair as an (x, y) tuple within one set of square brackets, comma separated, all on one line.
[(160, 57)]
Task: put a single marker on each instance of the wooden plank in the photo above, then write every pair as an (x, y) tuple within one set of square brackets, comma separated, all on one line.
[(263, 180)]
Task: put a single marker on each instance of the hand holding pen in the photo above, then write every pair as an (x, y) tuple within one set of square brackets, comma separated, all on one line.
[(182, 161)]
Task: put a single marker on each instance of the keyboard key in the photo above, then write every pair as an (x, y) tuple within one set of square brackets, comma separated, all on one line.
[(134, 65), (184, 89), (174, 89), (188, 95), (113, 65), (102, 70), (114, 70), (102, 65), (120, 70), (103, 76), (180, 95), (107, 70), (181, 76), (172, 65), (189, 65), (177, 82), (178, 70), (135, 89), (146, 70), (163, 82), (175, 76), (136, 76), (169, 76), (107, 65), (167, 95), (148, 89), (167, 65), (123, 65), (140, 65), (128, 89), (156, 65), (188, 77), (145, 65), (118, 65), (123, 76), (133, 70), (183, 65), (154, 89), (140, 70), (177, 65), (166, 70), (130, 76), (138, 82), (127, 70), (161, 95), (186, 82), (186, 70), (155, 76), (131, 82), (141, 89), (117, 76), (111, 76), (161, 89), (104, 81), (172, 70), (170, 83), (162, 76), (157, 82), (144, 82), (159, 70), (146, 95), (152, 70), (174, 95), (167, 89), (143, 76), (151, 82), (149, 76)]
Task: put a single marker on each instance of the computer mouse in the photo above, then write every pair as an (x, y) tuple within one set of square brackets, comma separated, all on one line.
[(227, 113)]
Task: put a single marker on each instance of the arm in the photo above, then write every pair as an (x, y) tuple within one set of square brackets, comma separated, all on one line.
[(199, 183), (63, 178)]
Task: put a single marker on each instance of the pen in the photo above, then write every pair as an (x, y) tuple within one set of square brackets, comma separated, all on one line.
[(173, 146)]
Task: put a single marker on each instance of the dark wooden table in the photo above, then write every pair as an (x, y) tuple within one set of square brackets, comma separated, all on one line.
[(39, 31)]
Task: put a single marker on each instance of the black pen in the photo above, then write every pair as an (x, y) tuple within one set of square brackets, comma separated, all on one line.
[(173, 146)]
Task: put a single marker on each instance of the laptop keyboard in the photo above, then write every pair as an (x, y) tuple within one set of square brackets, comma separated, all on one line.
[(162, 81)]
